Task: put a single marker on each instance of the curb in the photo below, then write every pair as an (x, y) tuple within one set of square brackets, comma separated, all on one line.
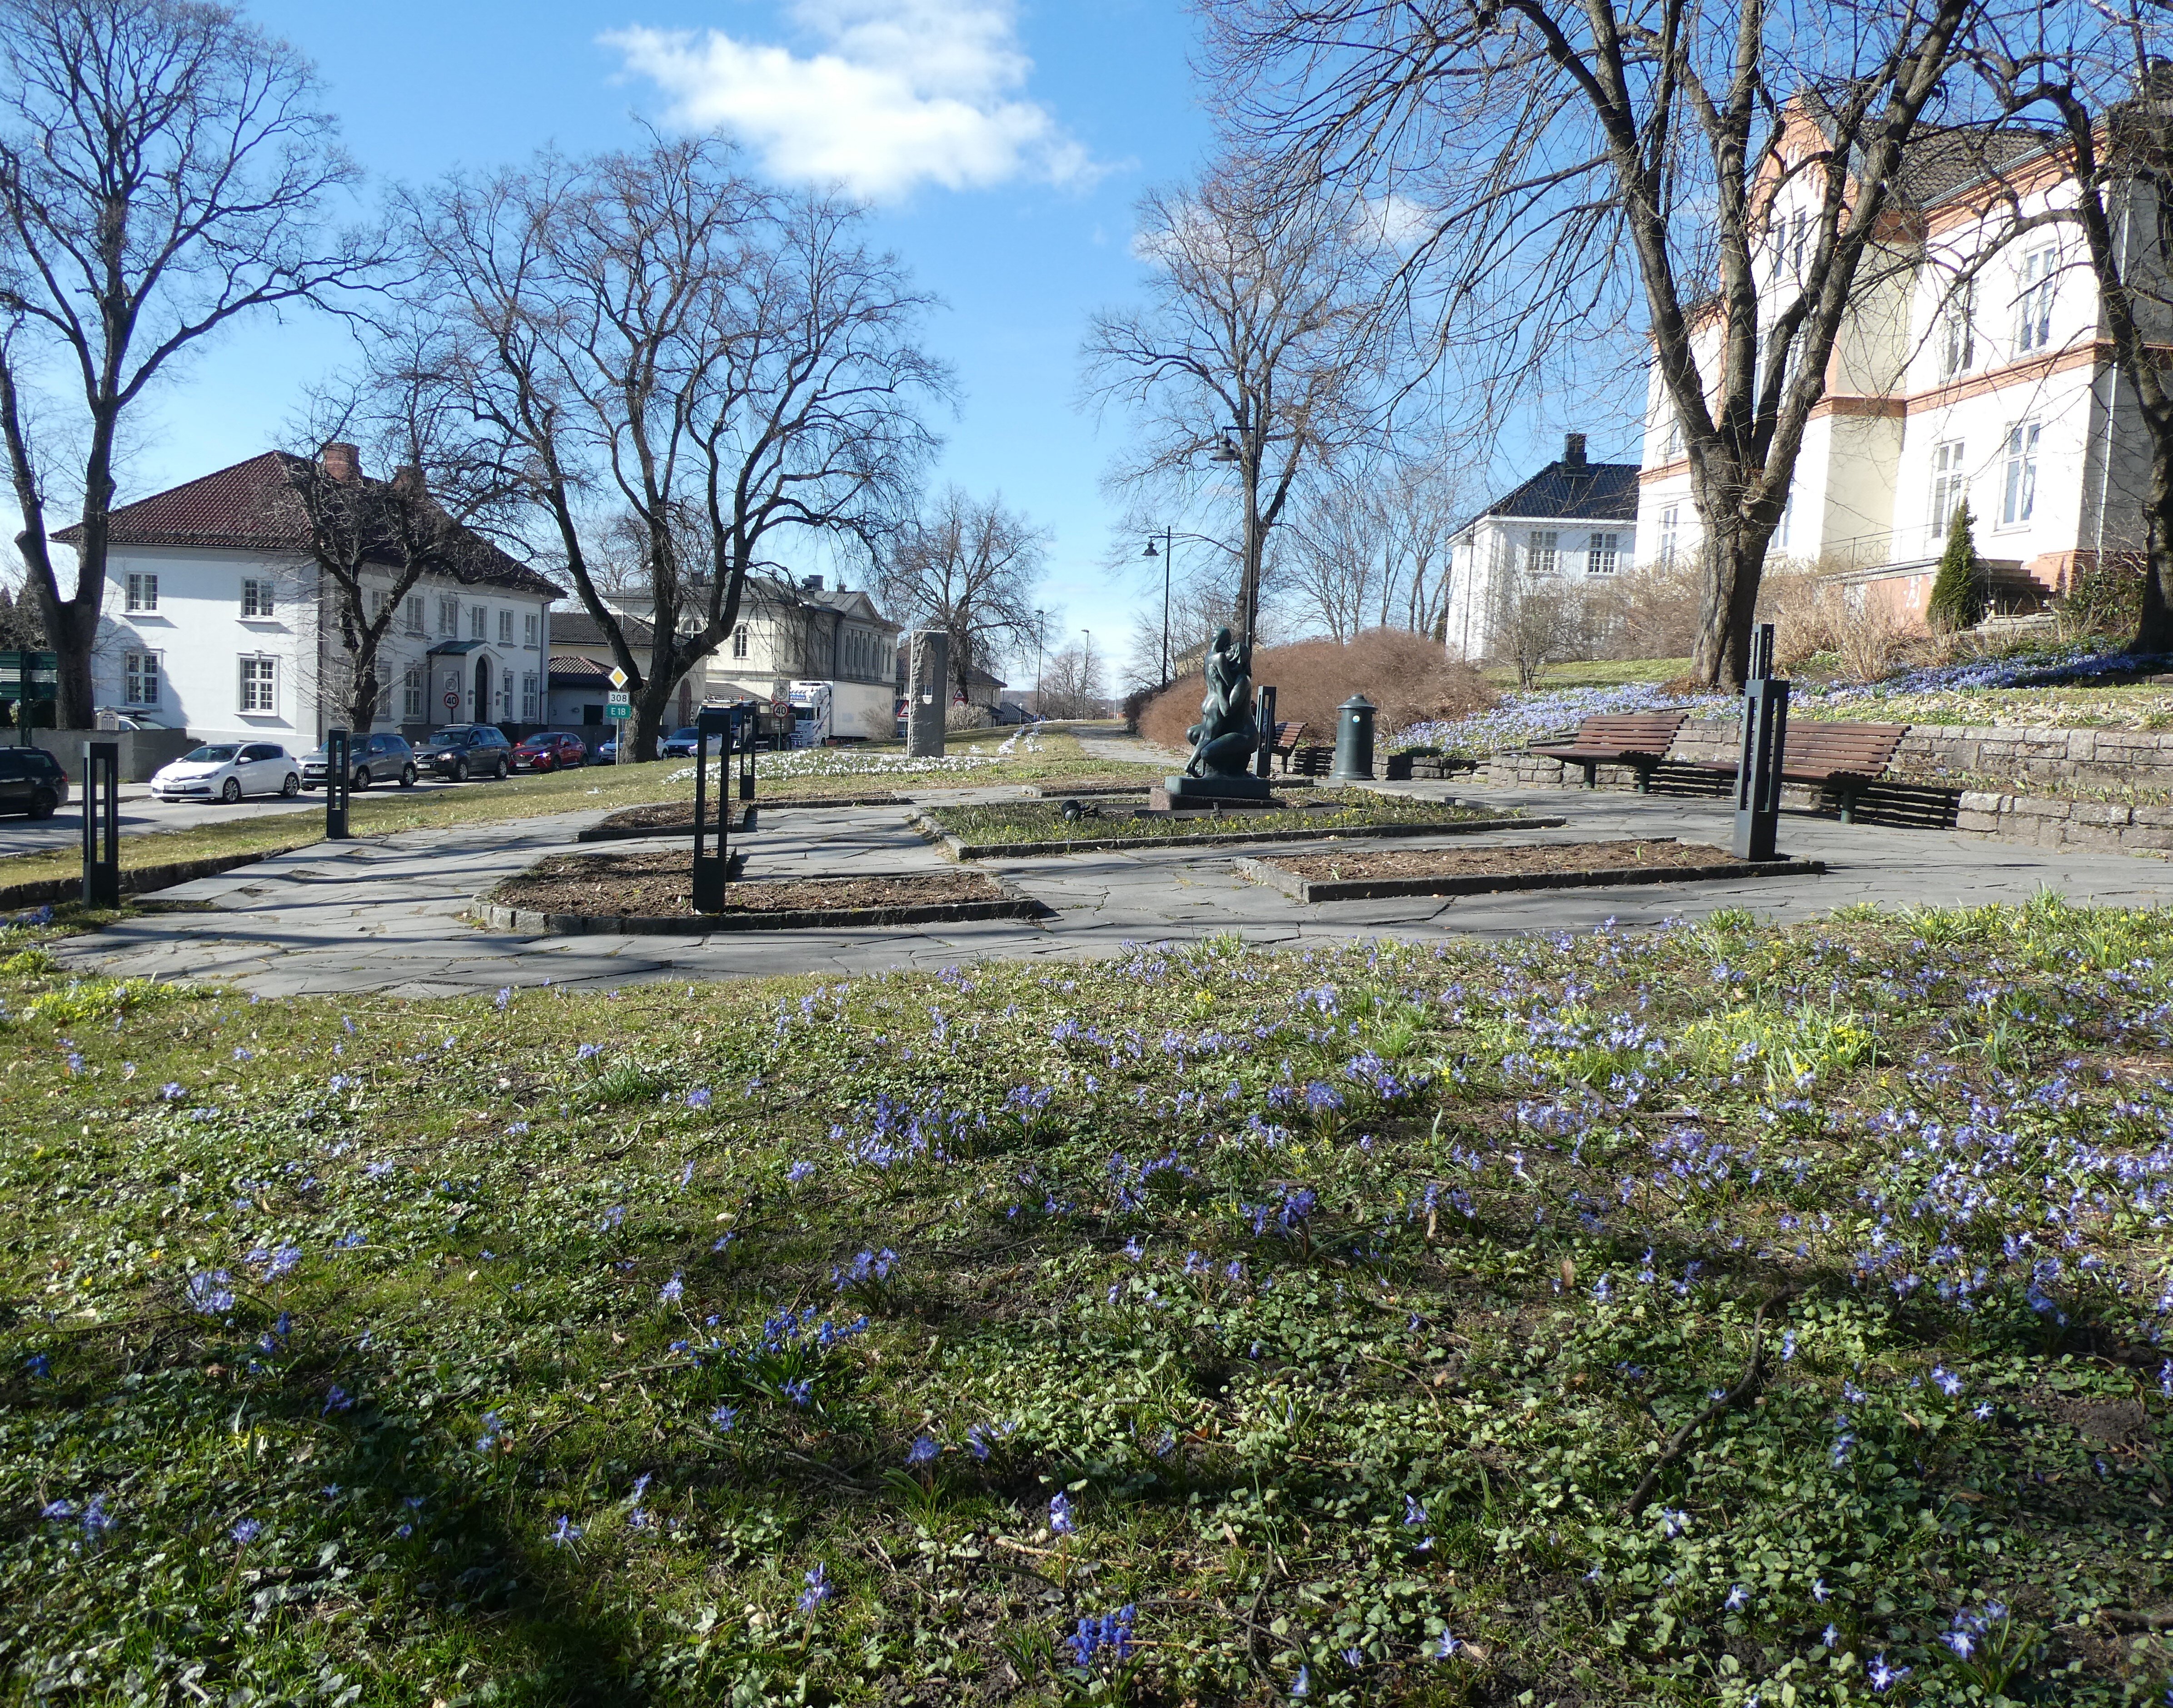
[(1314, 890), (1010, 905), (135, 881), (961, 850)]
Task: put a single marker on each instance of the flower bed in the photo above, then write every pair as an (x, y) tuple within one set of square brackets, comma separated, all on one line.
[(1367, 874), (1674, 1317)]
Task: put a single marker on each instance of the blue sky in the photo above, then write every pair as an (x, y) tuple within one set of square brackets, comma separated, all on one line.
[(1002, 147)]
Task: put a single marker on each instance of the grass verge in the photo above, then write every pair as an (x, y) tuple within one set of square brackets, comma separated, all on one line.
[(1692, 1316)]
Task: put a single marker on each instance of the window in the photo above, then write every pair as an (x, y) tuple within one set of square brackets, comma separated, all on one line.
[(478, 622), (140, 672), (2017, 497), (531, 630), (1958, 332), (1671, 439), (1949, 485), (143, 593), (1800, 241), (414, 613), (376, 603), (1601, 553), (256, 598), (258, 683), (449, 617), (2033, 301), (1544, 553), (740, 641), (528, 696), (505, 628), (1671, 522), (1787, 522), (411, 692)]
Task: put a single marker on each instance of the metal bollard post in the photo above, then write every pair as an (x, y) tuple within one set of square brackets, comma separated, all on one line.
[(1765, 743), (712, 872), (745, 744), (1354, 740), (1265, 715), (339, 783), (101, 824)]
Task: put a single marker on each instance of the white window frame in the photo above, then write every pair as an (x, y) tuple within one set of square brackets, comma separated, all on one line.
[(411, 692), (2018, 478), (260, 600), (414, 613), (259, 676), (1543, 550), (449, 617), (1950, 484), (528, 704), (1671, 523), (140, 591), (141, 674), (478, 622), (2033, 301), (505, 626), (740, 641), (1958, 331), (531, 629), (1602, 554)]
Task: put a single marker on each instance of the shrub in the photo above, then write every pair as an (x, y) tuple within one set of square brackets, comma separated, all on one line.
[(1410, 677), (2105, 600), (974, 717), (1958, 596)]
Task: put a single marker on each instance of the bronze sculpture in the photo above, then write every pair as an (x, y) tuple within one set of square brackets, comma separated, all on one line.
[(1224, 738)]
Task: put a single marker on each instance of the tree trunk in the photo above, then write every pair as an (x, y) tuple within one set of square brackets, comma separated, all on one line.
[(362, 690), (2154, 625), (1733, 563)]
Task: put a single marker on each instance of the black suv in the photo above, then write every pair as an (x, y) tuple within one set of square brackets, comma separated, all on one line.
[(32, 781), (462, 751)]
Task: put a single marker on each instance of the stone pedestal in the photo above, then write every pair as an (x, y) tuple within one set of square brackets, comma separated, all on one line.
[(928, 695), (1242, 789)]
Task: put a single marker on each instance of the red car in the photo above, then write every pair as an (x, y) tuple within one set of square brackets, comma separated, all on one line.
[(553, 749)]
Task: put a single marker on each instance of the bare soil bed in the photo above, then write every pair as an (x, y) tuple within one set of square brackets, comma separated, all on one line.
[(1529, 857), (652, 885)]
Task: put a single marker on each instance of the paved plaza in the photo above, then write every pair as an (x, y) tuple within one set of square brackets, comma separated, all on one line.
[(386, 914)]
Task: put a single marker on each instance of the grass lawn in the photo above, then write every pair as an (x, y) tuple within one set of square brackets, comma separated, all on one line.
[(812, 774), (1597, 673), (1344, 809), (1703, 1316)]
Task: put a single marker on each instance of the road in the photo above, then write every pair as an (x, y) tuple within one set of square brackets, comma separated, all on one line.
[(140, 813)]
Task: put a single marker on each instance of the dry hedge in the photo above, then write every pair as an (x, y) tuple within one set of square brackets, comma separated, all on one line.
[(1407, 676)]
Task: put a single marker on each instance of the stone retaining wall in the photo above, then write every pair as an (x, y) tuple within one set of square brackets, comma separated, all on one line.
[(2086, 824)]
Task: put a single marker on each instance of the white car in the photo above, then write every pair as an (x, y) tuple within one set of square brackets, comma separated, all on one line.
[(227, 770)]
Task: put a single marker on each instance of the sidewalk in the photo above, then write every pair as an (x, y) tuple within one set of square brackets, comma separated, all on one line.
[(383, 915)]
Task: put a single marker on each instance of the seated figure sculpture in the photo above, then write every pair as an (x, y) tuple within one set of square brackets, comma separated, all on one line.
[(1224, 739)]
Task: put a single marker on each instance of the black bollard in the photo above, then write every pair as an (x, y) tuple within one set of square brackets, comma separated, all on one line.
[(339, 783), (101, 824), (1765, 745), (1354, 740), (1266, 717), (711, 871)]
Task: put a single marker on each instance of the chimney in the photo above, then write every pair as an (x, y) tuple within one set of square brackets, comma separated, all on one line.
[(1574, 450), (342, 462), (813, 583)]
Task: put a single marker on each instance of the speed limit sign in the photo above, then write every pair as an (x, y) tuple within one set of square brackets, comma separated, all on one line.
[(452, 700)]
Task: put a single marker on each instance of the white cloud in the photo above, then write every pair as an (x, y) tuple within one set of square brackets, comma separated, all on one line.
[(899, 93)]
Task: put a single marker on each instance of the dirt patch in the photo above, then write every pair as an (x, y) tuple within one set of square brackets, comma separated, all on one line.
[(1489, 862), (667, 814), (654, 884)]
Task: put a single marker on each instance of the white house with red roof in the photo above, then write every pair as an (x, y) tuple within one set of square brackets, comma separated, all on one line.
[(218, 621)]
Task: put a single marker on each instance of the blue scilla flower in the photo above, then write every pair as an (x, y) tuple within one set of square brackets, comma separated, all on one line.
[(819, 1590), (723, 1418), (39, 1366), (924, 1450), (1059, 1514), (565, 1533), (210, 1293), (247, 1530), (672, 1291), (1413, 1514)]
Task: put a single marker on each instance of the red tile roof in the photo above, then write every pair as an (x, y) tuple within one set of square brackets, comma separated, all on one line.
[(250, 507)]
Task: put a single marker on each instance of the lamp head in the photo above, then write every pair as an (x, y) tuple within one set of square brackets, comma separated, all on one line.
[(1150, 551)]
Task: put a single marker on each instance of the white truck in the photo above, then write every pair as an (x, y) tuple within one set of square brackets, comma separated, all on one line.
[(812, 722)]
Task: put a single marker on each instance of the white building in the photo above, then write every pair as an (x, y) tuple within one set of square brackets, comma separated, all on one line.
[(789, 632), (1569, 525), (1973, 366), (218, 620)]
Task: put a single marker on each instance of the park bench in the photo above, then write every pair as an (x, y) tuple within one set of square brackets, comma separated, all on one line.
[(1639, 740), (1843, 759), (1284, 742)]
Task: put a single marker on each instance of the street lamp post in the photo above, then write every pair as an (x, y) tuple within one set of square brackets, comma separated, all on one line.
[(1085, 663), (1168, 550), (1038, 616)]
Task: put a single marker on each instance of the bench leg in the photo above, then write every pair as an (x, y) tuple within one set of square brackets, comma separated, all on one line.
[(1847, 805), (1644, 784), (1591, 774)]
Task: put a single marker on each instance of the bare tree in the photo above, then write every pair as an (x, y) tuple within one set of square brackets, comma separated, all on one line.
[(1615, 164), (671, 351), (1262, 345), (1538, 620), (968, 566), (2107, 88), (1072, 682), (164, 169)]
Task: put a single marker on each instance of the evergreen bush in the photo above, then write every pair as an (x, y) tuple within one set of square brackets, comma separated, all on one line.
[(1958, 596)]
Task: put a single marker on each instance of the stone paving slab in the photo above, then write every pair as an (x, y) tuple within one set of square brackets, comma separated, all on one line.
[(386, 916)]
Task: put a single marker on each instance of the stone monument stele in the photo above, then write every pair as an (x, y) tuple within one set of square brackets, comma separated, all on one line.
[(928, 669), (1226, 734)]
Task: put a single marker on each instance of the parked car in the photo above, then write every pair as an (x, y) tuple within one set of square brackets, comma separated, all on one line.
[(371, 759), (608, 754), (227, 770), (1010, 712), (108, 718), (549, 749), (32, 781), (462, 751), (680, 744)]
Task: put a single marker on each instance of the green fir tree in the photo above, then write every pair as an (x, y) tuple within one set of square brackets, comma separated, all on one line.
[(1958, 596)]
